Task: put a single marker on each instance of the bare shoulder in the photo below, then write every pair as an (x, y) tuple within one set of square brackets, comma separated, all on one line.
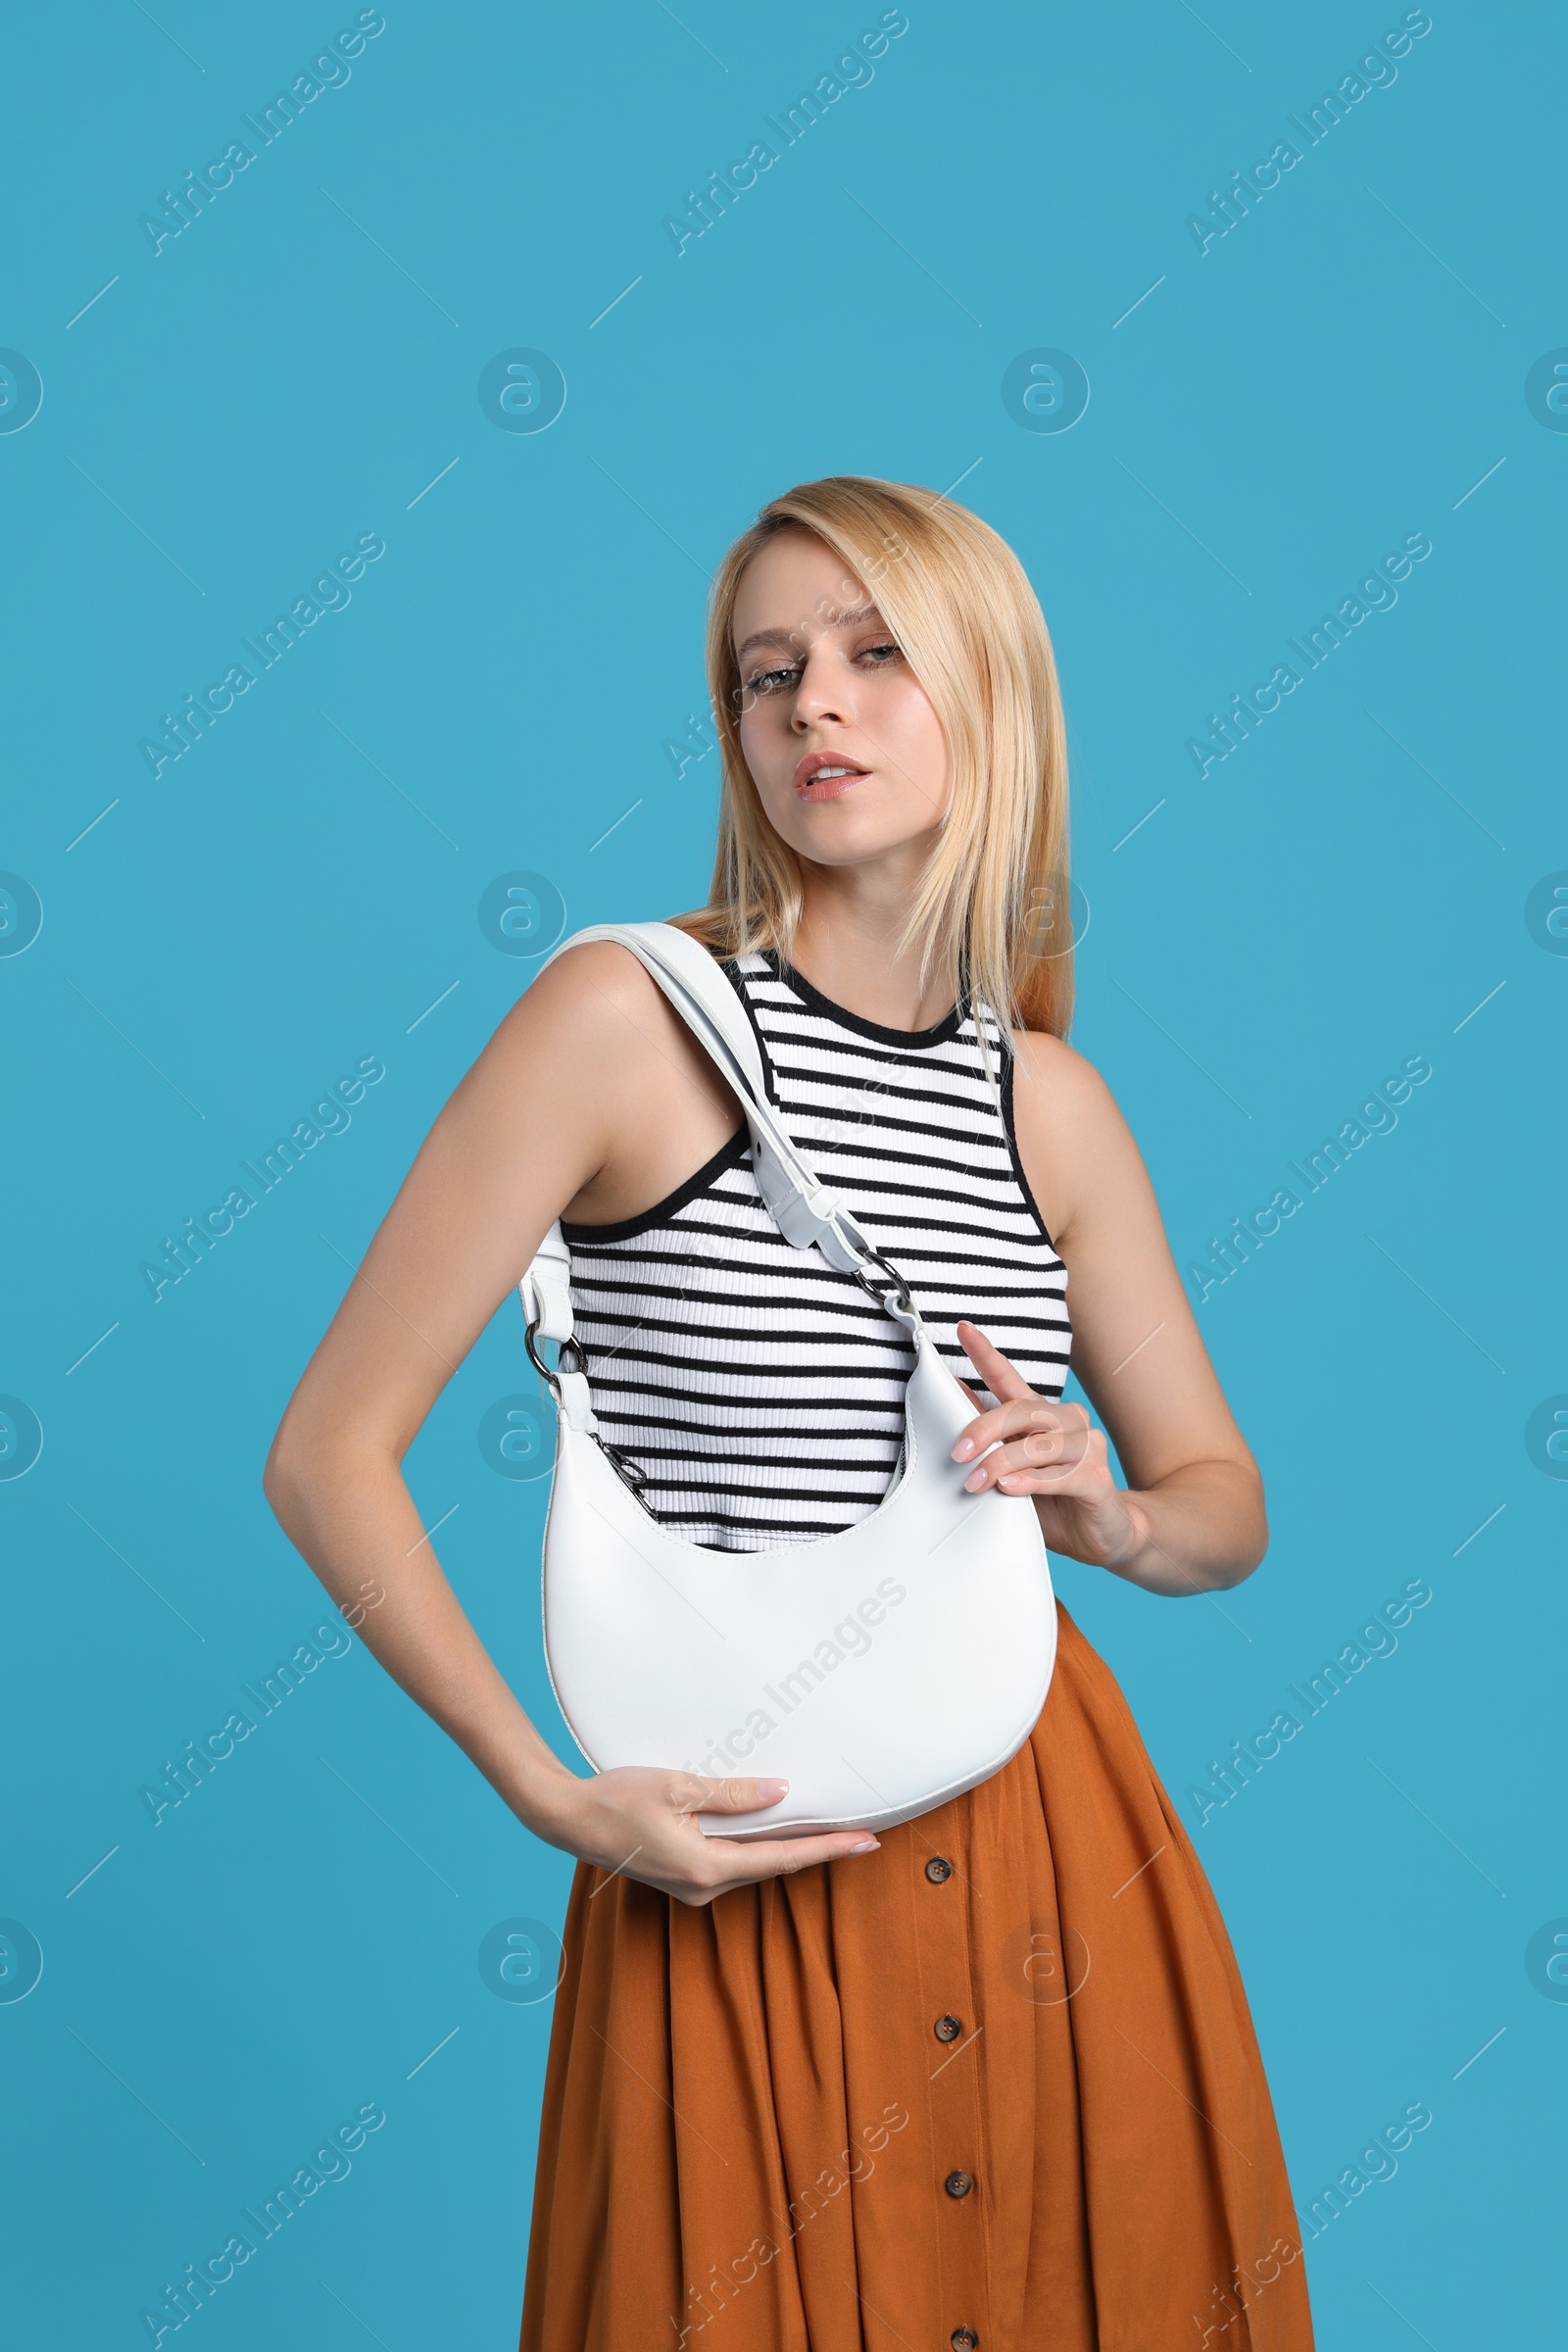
[(594, 1049), (595, 1009), (590, 991), (1075, 1145), (1060, 1071)]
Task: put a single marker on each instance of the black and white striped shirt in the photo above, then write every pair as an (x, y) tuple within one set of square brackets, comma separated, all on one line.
[(759, 1390)]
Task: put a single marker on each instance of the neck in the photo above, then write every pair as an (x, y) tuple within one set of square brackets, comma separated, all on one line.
[(846, 945)]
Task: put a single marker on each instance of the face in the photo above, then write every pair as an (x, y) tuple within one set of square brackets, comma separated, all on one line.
[(825, 685)]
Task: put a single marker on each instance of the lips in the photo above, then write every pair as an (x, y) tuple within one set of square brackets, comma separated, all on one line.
[(823, 775)]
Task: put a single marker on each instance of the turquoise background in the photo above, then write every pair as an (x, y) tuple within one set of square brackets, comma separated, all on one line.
[(299, 892)]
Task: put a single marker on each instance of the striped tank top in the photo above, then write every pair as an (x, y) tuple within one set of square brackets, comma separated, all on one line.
[(759, 1391)]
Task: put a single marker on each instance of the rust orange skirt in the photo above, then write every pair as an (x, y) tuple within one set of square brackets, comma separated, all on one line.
[(996, 2085)]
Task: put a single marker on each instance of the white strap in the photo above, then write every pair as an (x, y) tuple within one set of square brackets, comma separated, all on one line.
[(807, 1211), (547, 1289)]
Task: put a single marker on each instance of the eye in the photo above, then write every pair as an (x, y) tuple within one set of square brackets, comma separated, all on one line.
[(768, 681), (778, 681)]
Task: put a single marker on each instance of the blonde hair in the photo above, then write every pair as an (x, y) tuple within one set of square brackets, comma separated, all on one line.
[(993, 903)]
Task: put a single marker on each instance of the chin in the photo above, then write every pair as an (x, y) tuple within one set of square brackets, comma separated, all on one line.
[(832, 831)]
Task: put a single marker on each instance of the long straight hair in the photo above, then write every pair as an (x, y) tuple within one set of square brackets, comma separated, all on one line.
[(991, 909)]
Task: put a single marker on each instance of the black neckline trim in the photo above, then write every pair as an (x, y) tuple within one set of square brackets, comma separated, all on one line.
[(729, 965), (727, 1155), (943, 1032)]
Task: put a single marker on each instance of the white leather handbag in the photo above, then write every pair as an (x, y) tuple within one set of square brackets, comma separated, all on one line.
[(881, 1670)]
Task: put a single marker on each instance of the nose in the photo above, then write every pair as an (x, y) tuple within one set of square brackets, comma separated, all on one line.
[(822, 692)]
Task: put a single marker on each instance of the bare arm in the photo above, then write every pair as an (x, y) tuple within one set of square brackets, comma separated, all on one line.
[(1192, 1518), (590, 1098)]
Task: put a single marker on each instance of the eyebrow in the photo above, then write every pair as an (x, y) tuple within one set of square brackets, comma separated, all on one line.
[(850, 619)]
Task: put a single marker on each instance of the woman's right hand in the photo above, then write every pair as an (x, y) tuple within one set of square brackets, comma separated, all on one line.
[(639, 1822)]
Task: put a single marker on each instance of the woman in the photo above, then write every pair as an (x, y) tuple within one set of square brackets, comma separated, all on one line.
[(989, 2079)]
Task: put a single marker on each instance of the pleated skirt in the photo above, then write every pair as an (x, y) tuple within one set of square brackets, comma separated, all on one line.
[(995, 2086)]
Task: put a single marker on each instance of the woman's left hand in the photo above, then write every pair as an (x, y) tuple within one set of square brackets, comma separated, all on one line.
[(1052, 1452)]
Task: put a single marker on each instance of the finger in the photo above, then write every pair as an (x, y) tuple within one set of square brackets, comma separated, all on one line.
[(753, 1858), (701, 1795), (1003, 1379), (1026, 1415), (1046, 1456), (985, 1416)]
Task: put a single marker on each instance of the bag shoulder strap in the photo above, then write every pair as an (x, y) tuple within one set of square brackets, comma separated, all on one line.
[(808, 1212)]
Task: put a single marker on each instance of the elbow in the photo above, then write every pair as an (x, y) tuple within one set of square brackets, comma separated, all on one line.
[(1238, 1530), (314, 1457), (293, 1469), (1251, 1537), (281, 1473)]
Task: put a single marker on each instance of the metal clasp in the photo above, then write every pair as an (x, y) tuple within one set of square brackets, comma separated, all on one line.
[(629, 1472), (898, 1289), (570, 1357)]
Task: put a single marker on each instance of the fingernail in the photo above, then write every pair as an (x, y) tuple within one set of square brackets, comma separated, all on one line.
[(963, 1448), (974, 1482), (770, 1791), (864, 1845)]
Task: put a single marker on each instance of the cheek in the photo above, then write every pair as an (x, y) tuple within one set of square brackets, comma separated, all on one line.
[(768, 750), (753, 730), (911, 731)]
